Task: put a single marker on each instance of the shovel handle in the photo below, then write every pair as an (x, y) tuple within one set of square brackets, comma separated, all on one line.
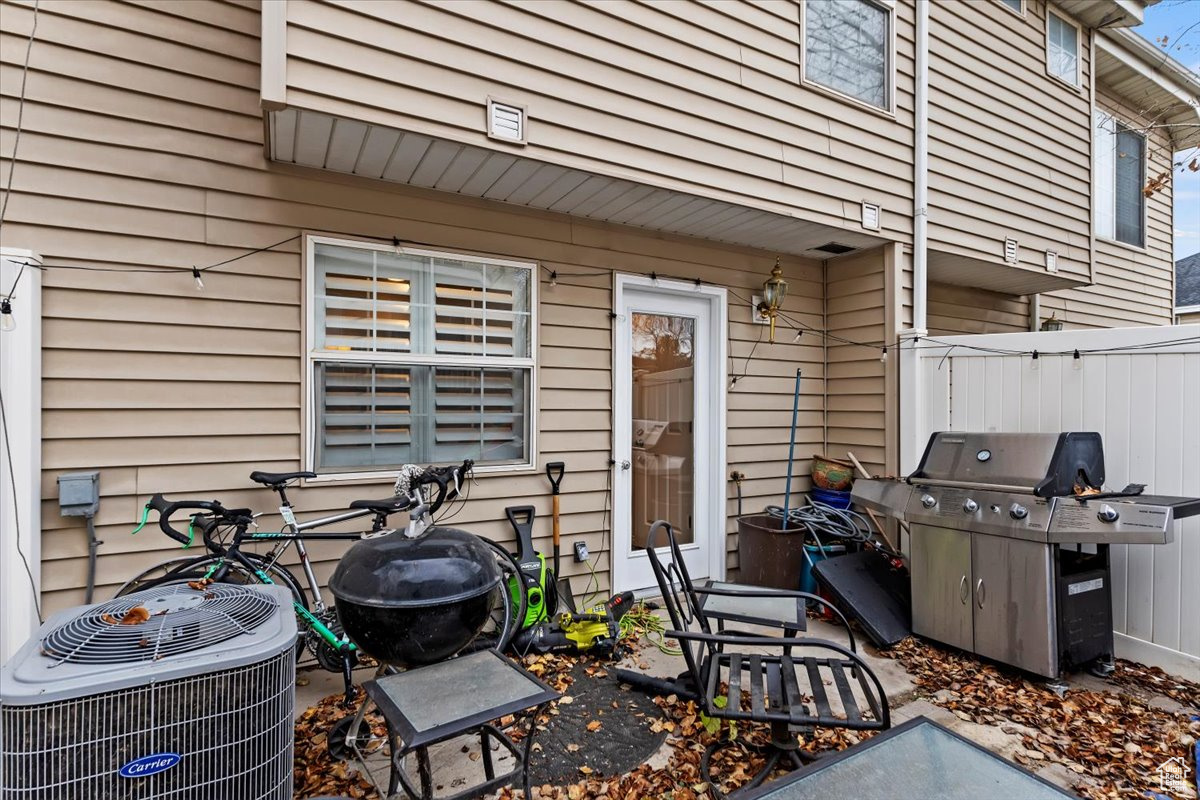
[(554, 471), (557, 530)]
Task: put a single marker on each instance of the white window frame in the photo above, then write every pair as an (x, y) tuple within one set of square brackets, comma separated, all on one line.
[(1113, 240), (1019, 12), (1076, 83), (888, 6), (310, 405)]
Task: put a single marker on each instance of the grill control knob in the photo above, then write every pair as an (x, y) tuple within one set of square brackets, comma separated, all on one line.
[(970, 506), (1018, 511), (1107, 514), (928, 501)]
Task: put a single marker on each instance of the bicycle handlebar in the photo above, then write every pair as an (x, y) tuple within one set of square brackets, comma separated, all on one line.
[(166, 508), (442, 477)]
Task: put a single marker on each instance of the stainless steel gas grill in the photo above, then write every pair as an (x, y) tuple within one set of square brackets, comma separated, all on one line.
[(1009, 544)]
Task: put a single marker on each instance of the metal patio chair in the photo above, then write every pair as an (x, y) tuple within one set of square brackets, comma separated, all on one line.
[(787, 685)]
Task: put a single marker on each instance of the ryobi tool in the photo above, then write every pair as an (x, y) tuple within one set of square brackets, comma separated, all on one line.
[(594, 630), (541, 600)]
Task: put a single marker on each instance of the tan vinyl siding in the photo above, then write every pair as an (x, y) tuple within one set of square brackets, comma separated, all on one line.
[(960, 309), (132, 158), (857, 396), (1133, 286), (703, 98), (1009, 144)]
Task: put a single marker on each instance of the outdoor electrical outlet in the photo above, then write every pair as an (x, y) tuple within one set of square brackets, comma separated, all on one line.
[(581, 552), (79, 493)]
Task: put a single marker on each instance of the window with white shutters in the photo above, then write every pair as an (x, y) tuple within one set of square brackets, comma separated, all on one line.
[(418, 356)]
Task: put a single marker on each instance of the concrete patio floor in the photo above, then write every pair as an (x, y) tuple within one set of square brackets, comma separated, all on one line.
[(455, 764)]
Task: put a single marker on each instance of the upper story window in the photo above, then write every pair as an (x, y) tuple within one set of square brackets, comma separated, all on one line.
[(417, 356), (1120, 176), (1016, 5), (1062, 48), (848, 48)]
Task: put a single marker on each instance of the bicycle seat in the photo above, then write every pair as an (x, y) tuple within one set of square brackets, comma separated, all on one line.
[(276, 478), (388, 505)]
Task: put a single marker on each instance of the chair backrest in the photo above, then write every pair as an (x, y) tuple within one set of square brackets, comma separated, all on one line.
[(681, 601)]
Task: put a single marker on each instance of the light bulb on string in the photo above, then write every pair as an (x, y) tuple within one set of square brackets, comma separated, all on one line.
[(7, 320), (796, 338), (199, 280), (1077, 361), (553, 278), (883, 356)]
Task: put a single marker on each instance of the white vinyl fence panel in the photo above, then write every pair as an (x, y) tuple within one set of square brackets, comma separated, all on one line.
[(1142, 393)]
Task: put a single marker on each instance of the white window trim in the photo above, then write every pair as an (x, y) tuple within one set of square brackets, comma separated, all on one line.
[(1021, 13), (1112, 240), (308, 399), (1077, 83), (888, 6)]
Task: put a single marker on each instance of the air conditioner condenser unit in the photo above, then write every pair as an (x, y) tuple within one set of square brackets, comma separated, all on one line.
[(172, 692)]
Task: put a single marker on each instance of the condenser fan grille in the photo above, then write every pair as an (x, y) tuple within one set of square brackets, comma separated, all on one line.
[(159, 622)]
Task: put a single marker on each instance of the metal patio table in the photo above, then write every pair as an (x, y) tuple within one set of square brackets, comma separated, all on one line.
[(458, 697), (919, 760)]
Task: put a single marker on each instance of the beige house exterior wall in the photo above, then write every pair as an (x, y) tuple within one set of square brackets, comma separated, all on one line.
[(166, 389), (701, 98), (142, 147)]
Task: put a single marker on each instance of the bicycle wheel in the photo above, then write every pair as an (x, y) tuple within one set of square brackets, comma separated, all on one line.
[(508, 604), (237, 573), (159, 571)]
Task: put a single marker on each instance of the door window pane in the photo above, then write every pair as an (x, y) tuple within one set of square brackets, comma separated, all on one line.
[(847, 47), (663, 421)]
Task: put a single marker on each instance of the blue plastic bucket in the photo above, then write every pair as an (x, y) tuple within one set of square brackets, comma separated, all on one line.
[(808, 583), (831, 498)]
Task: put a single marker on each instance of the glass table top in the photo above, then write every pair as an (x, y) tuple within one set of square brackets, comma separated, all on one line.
[(922, 761), (778, 610)]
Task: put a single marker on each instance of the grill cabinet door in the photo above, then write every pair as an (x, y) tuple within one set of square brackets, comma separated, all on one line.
[(940, 563), (1011, 592)]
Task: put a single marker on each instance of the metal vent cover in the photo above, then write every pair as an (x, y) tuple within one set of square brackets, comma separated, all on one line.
[(506, 121), (155, 623)]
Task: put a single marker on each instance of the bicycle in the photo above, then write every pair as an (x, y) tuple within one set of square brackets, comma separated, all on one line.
[(224, 531)]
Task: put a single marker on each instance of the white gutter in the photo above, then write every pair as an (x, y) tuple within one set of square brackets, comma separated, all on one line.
[(921, 170)]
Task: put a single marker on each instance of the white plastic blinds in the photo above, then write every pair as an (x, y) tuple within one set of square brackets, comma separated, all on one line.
[(847, 44), (419, 357), (1120, 177)]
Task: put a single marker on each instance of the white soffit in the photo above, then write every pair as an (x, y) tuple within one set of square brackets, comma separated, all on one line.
[(1149, 81), (318, 140)]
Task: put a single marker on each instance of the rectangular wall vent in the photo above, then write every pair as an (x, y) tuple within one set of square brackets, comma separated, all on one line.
[(835, 249), (1051, 261), (506, 121), (1010, 251), (870, 216)]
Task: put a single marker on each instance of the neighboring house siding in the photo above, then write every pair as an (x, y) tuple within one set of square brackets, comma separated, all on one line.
[(1133, 286), (1189, 319), (703, 98), (1009, 144), (145, 149)]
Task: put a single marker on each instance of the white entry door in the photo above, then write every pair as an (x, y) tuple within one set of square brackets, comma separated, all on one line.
[(668, 425)]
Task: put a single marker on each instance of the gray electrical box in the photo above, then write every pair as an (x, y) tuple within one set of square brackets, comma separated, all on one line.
[(79, 493)]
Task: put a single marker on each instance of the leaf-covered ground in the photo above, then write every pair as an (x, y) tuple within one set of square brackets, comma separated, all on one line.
[(1112, 739)]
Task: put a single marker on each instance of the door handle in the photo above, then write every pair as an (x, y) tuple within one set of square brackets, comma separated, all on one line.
[(979, 592), (963, 591), (624, 465)]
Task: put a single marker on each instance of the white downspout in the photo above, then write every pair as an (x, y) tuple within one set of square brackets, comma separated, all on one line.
[(1035, 312), (921, 170), (912, 389)]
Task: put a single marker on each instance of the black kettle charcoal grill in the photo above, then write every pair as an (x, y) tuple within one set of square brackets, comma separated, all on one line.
[(1007, 561), (413, 601)]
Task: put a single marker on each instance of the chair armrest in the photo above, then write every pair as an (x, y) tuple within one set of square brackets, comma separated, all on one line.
[(767, 592)]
